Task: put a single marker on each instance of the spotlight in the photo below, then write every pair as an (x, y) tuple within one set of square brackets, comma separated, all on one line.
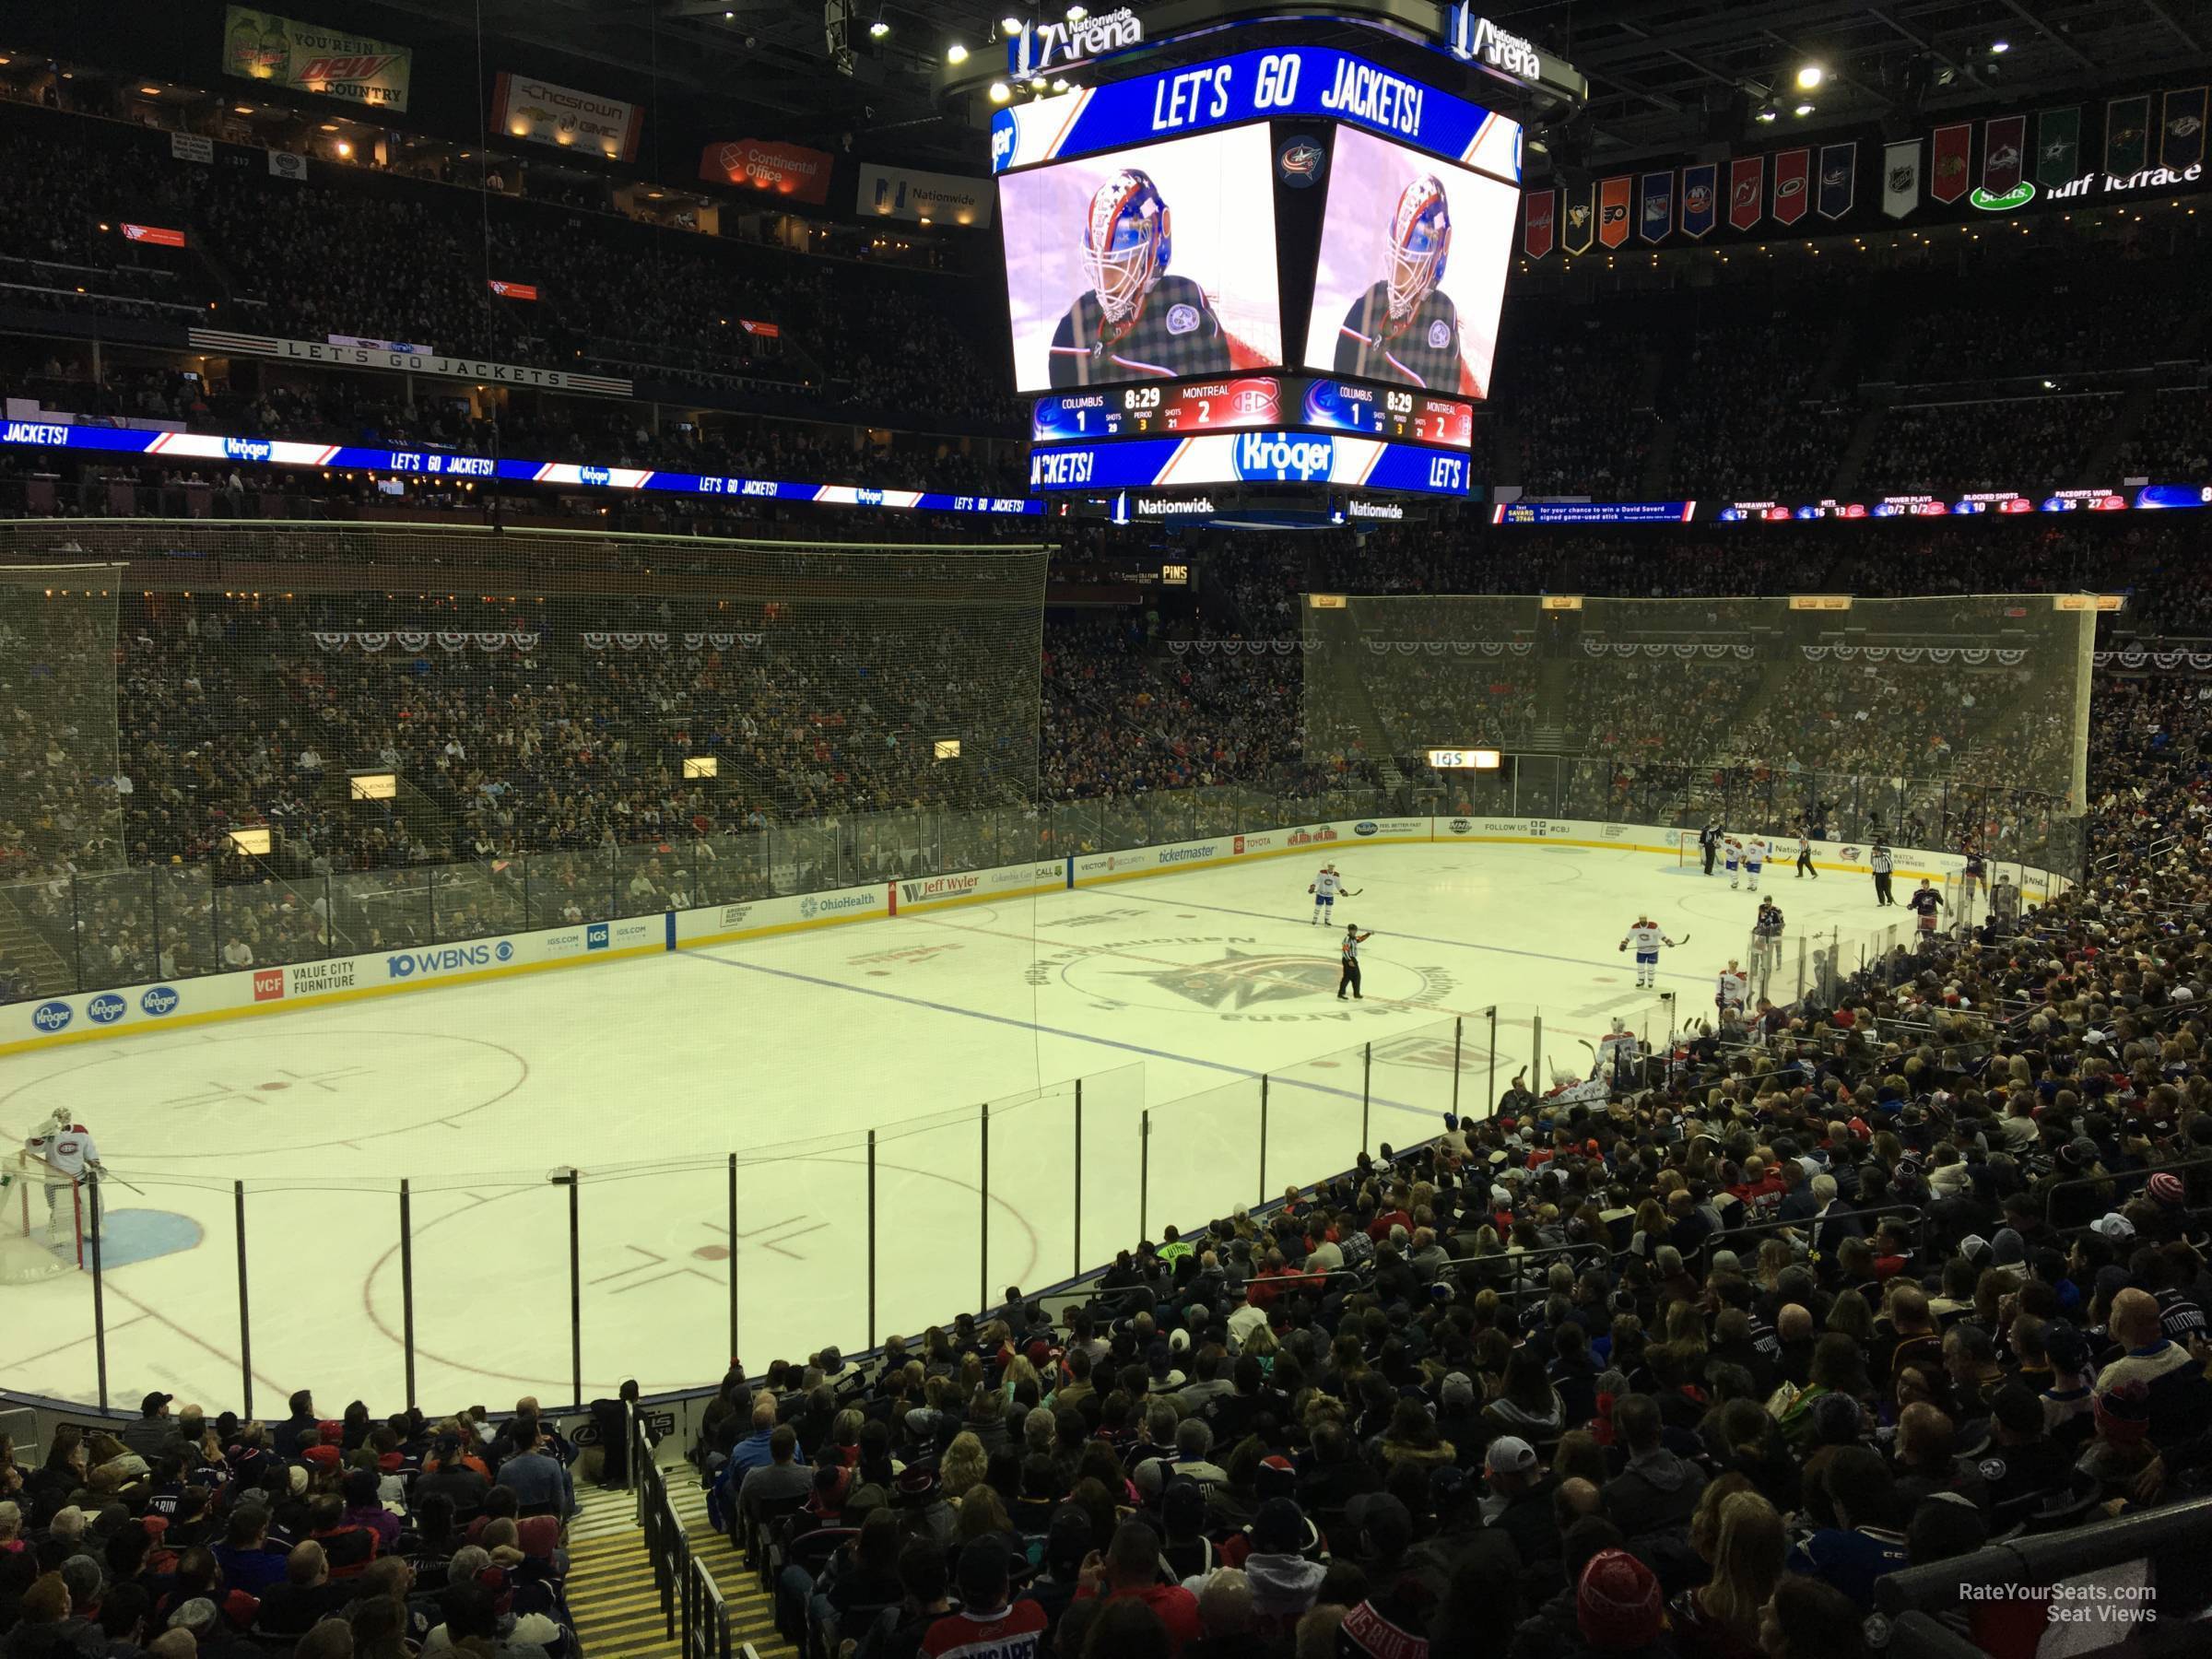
[(1000, 91), (955, 54), (1010, 25), (1802, 111), (1059, 86), (877, 29), (1999, 48), (1075, 13), (1810, 75), (1766, 114), (1037, 83)]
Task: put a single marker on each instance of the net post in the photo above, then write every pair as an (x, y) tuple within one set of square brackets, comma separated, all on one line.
[(406, 1281), (245, 1317), (1078, 1268)]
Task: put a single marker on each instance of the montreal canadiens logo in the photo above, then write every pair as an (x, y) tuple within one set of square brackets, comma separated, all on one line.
[(1182, 319)]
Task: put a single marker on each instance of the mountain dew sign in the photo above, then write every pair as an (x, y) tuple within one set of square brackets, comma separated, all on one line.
[(309, 57)]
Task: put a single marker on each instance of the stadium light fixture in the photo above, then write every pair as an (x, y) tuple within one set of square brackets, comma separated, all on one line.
[(1010, 25), (701, 766), (1999, 48), (1059, 86), (1767, 113), (1000, 91), (955, 54), (1075, 13), (253, 844), (1802, 111), (877, 29), (1809, 76)]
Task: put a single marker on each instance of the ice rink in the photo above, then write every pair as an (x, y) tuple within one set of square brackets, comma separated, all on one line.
[(1173, 992)]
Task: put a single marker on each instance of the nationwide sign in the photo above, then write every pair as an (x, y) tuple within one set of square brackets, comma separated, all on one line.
[(309, 57), (1036, 47)]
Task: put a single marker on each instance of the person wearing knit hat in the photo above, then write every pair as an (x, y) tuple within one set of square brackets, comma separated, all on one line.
[(1618, 1606), (2165, 1187), (2122, 1450)]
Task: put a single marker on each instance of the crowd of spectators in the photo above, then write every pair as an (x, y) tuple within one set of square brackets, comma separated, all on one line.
[(1750, 418), (2019, 443)]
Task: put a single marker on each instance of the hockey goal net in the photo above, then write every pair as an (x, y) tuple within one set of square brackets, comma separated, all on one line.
[(34, 1240)]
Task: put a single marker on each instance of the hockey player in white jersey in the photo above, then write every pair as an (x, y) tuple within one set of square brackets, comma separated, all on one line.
[(1618, 1051), (1324, 887), (1728, 990), (1732, 854), (1646, 936), (64, 1148), (1755, 858)]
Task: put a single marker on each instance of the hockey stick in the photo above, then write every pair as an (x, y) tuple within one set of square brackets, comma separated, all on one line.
[(1353, 892)]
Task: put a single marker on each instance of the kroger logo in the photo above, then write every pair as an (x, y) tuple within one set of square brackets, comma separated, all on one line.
[(595, 475), (105, 1009), (51, 1017), (868, 498), (248, 449), (595, 936), (161, 1000), (1001, 138), (1278, 455), (1365, 828)]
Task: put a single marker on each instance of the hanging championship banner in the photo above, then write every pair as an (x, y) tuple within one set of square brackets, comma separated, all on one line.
[(1747, 181), (1793, 173), (1954, 147), (2004, 153), (1578, 217), (2182, 130), (1699, 185), (1900, 177), (1613, 211), (1839, 179), (1657, 215), (2126, 135), (1539, 220), (2057, 147)]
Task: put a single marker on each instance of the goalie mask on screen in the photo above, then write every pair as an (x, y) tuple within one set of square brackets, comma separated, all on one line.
[(1126, 242), (1420, 237)]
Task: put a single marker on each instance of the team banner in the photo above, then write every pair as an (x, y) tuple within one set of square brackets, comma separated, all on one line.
[(1657, 217), (2181, 131), (2057, 147), (2004, 154), (1953, 149), (540, 113), (1578, 217), (906, 193), (1793, 173), (309, 57), (1699, 188), (784, 169), (1539, 221), (2126, 135), (1900, 177), (1613, 211), (1747, 183), (1839, 179)]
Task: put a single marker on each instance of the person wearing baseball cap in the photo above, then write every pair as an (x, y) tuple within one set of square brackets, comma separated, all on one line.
[(152, 1433), (1281, 1545), (1520, 1503)]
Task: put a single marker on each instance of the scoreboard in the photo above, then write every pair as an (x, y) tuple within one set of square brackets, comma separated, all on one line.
[(1256, 403)]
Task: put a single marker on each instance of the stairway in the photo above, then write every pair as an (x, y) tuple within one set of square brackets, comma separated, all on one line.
[(610, 1587), (25, 952)]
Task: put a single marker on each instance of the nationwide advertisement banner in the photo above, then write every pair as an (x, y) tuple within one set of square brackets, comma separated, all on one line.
[(791, 170), (309, 57), (537, 111), (909, 194)]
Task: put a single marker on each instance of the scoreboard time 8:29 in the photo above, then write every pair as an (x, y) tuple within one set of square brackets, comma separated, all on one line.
[(1254, 402)]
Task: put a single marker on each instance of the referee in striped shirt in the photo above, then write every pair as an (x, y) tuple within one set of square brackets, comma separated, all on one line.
[(1349, 980)]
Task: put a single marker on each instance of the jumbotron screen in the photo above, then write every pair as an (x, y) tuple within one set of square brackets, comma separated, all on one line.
[(1149, 262), (1412, 268)]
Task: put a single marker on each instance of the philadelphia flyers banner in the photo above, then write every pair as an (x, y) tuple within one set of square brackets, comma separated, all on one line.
[(1792, 170), (1947, 175), (1578, 217), (1540, 219), (1613, 211), (1747, 180)]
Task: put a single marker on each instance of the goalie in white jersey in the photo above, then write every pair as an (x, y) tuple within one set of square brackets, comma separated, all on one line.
[(1646, 936), (1324, 887), (64, 1148)]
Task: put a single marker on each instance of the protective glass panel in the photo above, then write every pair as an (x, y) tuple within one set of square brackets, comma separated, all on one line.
[(1105, 1175), (803, 1248), (1204, 1159), (325, 1311), (385, 910), (1032, 1223), (39, 946), (1313, 1120), (928, 1184), (171, 1245), (269, 921), (655, 1268), (498, 1242)]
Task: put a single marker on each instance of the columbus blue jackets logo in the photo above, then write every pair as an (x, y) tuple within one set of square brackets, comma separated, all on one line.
[(1240, 979), (1301, 163), (1182, 319), (1835, 178), (1440, 334)]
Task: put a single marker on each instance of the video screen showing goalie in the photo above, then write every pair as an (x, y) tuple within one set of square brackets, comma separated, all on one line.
[(1147, 263), (1412, 268)]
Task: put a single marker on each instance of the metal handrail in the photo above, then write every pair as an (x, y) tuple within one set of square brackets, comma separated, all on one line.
[(1919, 1223), (2137, 1176)]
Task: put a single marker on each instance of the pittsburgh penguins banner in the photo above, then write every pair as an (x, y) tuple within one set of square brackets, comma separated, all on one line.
[(1657, 215), (2182, 130), (2126, 135), (1577, 219), (2057, 147), (1792, 169), (1953, 148), (1613, 211), (1900, 177), (2004, 147), (1698, 185), (1539, 217), (1747, 181), (1839, 179)]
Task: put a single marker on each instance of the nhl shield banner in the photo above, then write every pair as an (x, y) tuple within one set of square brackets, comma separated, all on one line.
[(1839, 179), (1792, 170), (2057, 147), (2004, 157), (1946, 176), (1900, 177), (1699, 183), (1577, 219), (2182, 130), (1657, 215), (1539, 217), (1746, 178), (2126, 135), (1613, 211)]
